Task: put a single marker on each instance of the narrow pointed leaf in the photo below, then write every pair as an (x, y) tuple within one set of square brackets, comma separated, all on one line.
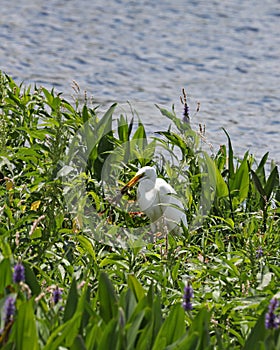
[(26, 336), (72, 301), (136, 287), (272, 182), (230, 156), (107, 297), (258, 184)]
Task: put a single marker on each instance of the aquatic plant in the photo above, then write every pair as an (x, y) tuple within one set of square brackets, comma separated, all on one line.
[(88, 282)]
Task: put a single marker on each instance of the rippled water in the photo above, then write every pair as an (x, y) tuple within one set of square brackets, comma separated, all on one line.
[(225, 53)]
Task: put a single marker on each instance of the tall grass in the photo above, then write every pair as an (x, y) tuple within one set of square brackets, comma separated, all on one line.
[(61, 168)]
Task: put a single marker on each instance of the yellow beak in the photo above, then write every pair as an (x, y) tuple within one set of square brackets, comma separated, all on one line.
[(131, 183)]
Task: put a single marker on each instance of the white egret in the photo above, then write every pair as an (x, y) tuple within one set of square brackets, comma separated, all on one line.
[(156, 199)]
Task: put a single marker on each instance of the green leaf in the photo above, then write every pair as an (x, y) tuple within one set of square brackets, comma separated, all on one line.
[(72, 301), (85, 114), (73, 336), (107, 298), (134, 329), (216, 178), (110, 336), (172, 116), (140, 138), (257, 334), (230, 156), (261, 169), (200, 326), (272, 182), (87, 246), (31, 280), (123, 129), (136, 287), (172, 329), (93, 336), (37, 233), (175, 139), (78, 344), (59, 335), (221, 158), (68, 333), (156, 317), (5, 275), (25, 331), (239, 186), (258, 184)]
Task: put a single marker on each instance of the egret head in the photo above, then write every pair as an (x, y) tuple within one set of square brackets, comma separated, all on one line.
[(147, 172)]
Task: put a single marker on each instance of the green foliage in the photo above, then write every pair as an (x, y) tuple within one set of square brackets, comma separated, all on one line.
[(61, 169)]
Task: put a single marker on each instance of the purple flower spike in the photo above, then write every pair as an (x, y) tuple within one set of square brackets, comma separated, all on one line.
[(9, 309), (271, 320), (259, 253), (19, 275), (56, 295), (188, 295)]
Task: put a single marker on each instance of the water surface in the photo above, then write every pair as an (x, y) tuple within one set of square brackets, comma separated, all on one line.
[(225, 54)]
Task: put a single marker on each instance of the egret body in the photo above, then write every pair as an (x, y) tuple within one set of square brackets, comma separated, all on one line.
[(156, 199)]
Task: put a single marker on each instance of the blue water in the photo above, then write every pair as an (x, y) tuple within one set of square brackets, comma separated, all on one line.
[(225, 53)]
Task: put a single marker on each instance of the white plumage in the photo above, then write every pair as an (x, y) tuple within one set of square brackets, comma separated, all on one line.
[(156, 199)]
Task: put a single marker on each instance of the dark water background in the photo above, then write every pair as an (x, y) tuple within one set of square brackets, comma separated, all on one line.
[(225, 53)]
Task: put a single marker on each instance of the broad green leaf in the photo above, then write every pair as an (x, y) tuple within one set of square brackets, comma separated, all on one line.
[(257, 334), (172, 116), (123, 129), (189, 342), (81, 311), (5, 275), (31, 279), (37, 233), (258, 184), (272, 182), (215, 178), (93, 336), (136, 287), (133, 330), (260, 171), (156, 316), (140, 138), (59, 335), (87, 246), (72, 301), (24, 328), (110, 336), (239, 184), (200, 326), (85, 114), (107, 298), (78, 344), (172, 329), (5, 248), (221, 158)]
